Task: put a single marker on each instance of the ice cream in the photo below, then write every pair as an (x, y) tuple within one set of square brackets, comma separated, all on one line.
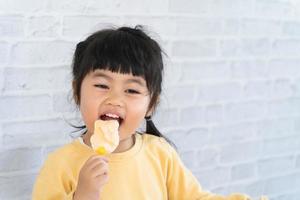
[(106, 136)]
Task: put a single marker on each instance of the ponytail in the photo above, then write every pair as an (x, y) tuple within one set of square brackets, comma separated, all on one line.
[(152, 130)]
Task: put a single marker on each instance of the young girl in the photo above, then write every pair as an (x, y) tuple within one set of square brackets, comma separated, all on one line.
[(118, 72)]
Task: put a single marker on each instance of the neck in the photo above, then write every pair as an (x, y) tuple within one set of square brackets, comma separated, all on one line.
[(124, 144)]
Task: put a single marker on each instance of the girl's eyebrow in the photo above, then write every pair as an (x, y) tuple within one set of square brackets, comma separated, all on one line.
[(131, 80)]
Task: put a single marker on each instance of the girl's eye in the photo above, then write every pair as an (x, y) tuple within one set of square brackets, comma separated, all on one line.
[(130, 91), (102, 86)]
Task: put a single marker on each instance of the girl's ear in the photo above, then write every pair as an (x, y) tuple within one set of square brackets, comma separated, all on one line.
[(149, 113), (151, 110), (74, 92)]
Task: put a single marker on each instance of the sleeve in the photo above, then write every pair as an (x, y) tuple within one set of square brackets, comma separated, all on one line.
[(53, 182), (182, 184)]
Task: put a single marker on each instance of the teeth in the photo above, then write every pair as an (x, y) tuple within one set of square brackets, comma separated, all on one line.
[(112, 115)]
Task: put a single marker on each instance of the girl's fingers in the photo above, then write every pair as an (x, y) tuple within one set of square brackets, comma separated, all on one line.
[(96, 163), (95, 158), (102, 179), (99, 170)]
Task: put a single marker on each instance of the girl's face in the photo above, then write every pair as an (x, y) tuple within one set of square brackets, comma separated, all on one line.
[(124, 95)]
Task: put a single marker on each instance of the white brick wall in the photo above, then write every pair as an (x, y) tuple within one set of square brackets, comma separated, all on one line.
[(231, 100)]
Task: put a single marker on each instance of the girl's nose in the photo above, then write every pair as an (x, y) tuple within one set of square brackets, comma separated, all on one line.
[(115, 99)]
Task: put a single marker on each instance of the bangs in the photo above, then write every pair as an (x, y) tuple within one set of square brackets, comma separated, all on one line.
[(118, 52)]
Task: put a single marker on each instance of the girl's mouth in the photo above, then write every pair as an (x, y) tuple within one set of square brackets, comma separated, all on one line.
[(109, 116)]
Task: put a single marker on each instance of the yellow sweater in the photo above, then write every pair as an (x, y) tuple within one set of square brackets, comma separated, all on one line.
[(151, 169)]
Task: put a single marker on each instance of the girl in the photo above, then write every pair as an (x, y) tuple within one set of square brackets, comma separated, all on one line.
[(119, 72)]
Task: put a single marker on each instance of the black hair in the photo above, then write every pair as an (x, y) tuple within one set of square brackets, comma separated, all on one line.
[(125, 50)]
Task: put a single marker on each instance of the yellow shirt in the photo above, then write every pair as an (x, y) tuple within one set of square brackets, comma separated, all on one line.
[(151, 169)]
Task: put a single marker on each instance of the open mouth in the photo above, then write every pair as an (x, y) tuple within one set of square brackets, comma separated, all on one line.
[(109, 116)]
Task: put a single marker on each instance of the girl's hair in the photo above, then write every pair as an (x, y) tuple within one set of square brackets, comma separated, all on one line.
[(124, 50)]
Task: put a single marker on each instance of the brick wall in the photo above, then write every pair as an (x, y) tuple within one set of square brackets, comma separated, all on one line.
[(231, 100)]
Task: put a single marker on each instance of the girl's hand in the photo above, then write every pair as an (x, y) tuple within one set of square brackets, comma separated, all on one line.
[(93, 175)]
